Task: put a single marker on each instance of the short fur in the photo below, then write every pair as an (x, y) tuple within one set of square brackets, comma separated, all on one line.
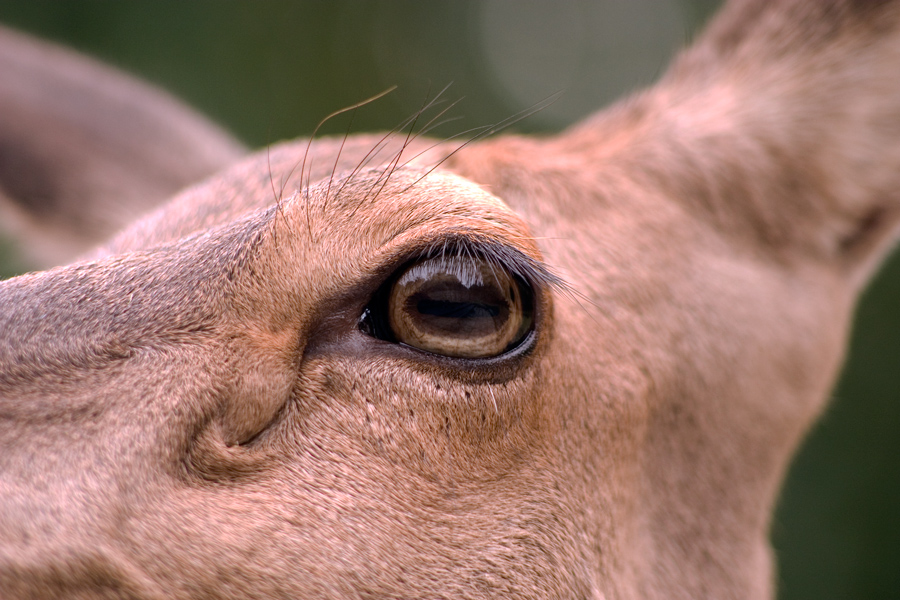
[(194, 412)]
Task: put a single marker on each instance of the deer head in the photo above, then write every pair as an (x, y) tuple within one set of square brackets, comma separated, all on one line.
[(374, 367)]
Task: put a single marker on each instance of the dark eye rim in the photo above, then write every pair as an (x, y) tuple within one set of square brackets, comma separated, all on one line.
[(374, 321), (531, 277)]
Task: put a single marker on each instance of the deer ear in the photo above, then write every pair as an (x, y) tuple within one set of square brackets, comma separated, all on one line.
[(780, 126), (85, 149)]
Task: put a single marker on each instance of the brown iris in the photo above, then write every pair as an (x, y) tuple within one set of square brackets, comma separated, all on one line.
[(459, 306)]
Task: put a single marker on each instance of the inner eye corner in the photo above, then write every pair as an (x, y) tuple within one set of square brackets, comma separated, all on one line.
[(459, 305)]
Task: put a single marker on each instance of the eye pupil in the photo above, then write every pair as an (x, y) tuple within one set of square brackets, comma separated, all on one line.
[(457, 310)]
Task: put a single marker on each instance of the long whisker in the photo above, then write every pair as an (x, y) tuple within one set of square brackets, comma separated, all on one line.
[(376, 149), (274, 193), (392, 165), (337, 159), (302, 164), (490, 130), (389, 170)]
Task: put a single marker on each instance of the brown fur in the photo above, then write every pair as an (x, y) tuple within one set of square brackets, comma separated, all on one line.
[(195, 412)]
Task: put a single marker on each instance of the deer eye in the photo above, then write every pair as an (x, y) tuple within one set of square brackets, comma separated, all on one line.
[(455, 306)]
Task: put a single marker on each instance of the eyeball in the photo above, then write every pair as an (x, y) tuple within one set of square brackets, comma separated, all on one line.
[(459, 306)]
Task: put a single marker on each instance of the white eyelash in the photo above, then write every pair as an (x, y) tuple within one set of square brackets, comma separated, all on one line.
[(464, 269)]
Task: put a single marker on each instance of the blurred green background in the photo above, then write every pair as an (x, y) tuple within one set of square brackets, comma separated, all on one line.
[(271, 70)]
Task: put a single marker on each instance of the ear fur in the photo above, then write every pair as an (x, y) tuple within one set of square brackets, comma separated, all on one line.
[(781, 125), (85, 149)]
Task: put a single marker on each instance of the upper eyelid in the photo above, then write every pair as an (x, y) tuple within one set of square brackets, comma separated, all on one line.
[(505, 256)]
